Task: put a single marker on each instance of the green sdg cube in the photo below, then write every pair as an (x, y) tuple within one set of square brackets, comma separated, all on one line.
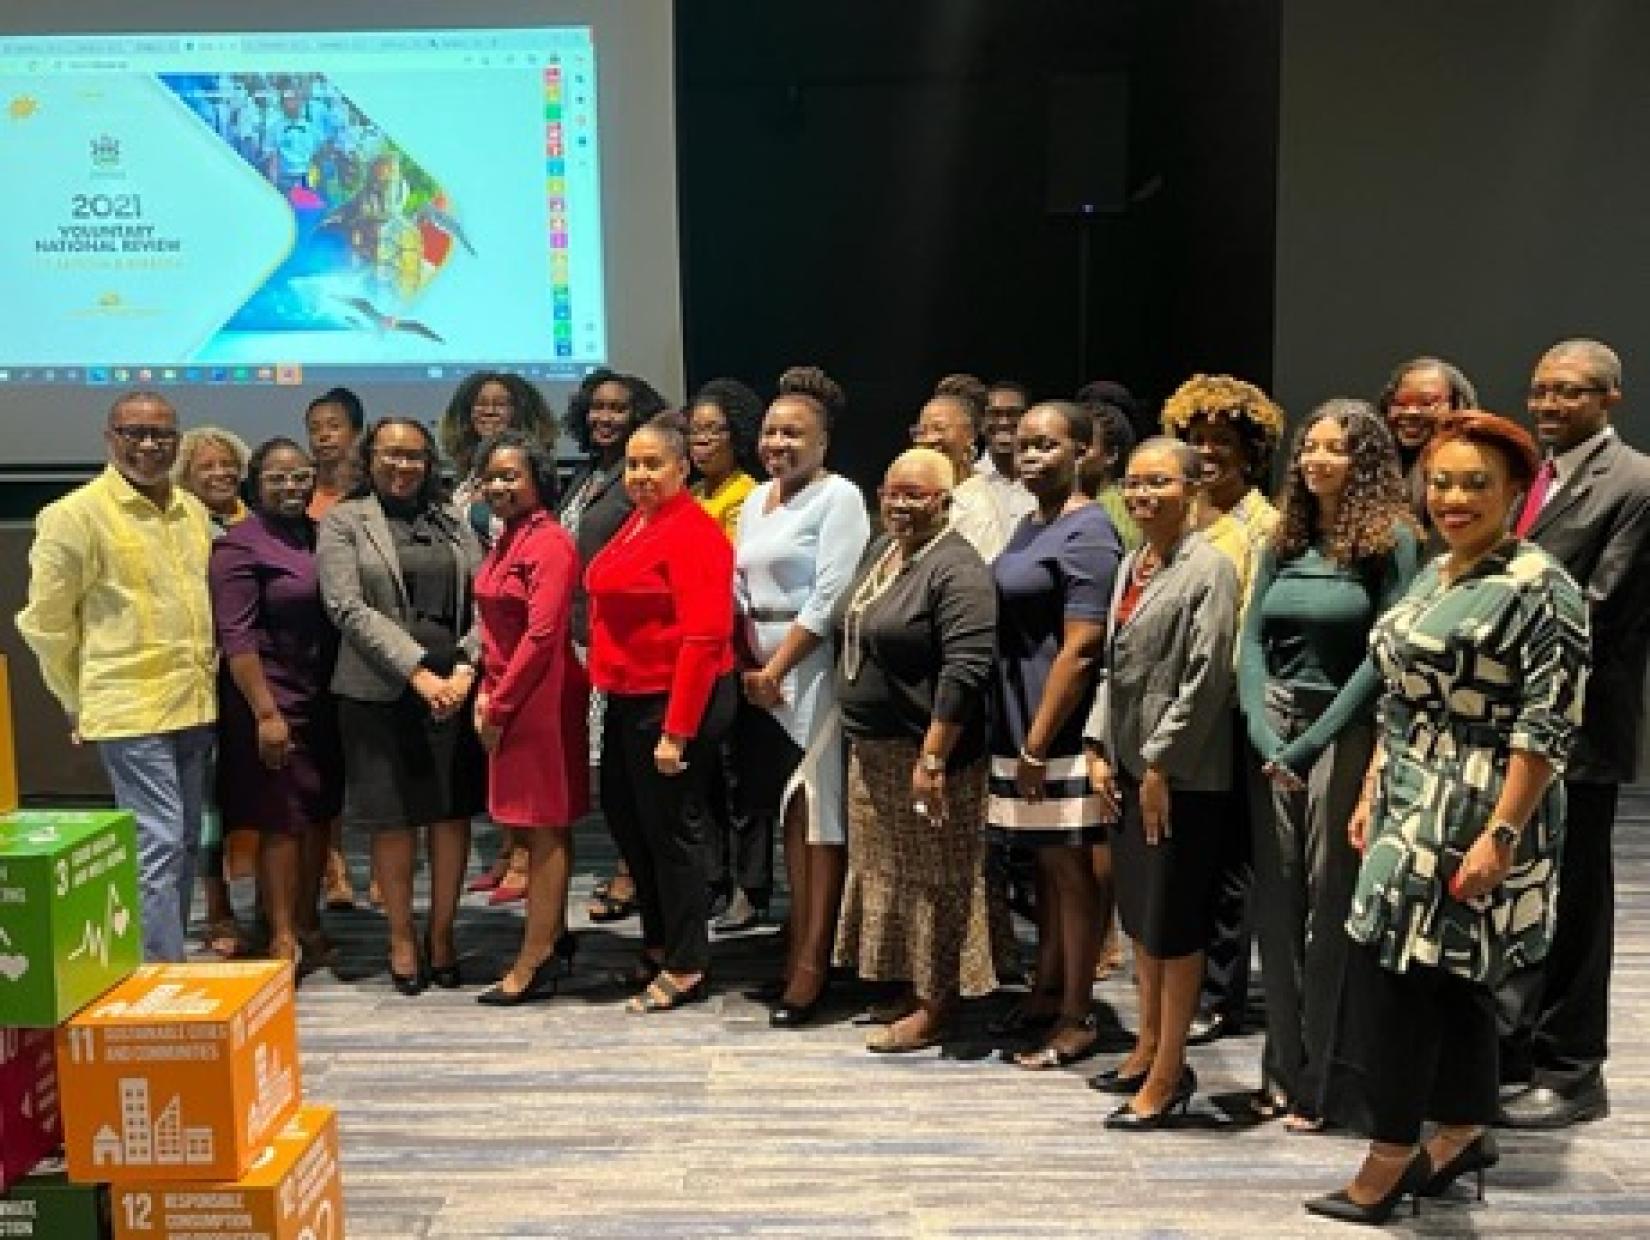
[(68, 911), (45, 1206)]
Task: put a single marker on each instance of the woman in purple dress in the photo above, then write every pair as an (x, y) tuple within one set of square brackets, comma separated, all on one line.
[(280, 765)]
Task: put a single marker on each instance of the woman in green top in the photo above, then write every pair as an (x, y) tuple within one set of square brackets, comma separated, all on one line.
[(1343, 552), (1460, 820)]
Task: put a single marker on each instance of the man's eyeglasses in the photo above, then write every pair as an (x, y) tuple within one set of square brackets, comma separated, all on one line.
[(394, 456), (1563, 393), (137, 436)]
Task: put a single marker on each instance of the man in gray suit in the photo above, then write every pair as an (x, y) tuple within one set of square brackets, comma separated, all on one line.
[(1589, 509)]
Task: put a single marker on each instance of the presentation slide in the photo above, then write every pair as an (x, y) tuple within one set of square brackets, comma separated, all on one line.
[(243, 207), (227, 208)]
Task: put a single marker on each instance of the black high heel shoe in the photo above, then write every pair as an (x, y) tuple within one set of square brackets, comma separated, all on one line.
[(1416, 1177), (544, 983), (1476, 1156), (1108, 1082), (1127, 1119), (445, 976), (409, 984), (796, 1015)]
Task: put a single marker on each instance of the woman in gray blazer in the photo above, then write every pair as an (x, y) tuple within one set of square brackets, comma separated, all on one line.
[(395, 562), (1160, 759)]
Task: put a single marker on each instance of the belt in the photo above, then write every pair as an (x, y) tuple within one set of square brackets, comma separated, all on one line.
[(772, 615)]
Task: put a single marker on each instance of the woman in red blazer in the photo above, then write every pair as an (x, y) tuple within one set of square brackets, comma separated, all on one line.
[(661, 628)]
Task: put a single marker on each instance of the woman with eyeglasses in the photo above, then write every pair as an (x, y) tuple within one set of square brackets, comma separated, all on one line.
[(602, 414), (486, 403), (917, 636), (396, 563), (1159, 743), (280, 760), (800, 539), (724, 418), (1344, 551), (210, 465), (1460, 822), (1417, 393)]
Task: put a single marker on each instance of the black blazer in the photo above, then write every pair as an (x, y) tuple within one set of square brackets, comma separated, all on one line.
[(599, 520), (1598, 528)]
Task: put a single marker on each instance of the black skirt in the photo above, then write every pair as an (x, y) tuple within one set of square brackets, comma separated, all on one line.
[(1166, 891), (402, 768)]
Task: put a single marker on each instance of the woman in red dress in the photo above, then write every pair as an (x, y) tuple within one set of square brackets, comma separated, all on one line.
[(530, 713)]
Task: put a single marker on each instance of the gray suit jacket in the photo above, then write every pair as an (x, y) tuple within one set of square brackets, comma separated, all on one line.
[(1166, 683), (364, 595)]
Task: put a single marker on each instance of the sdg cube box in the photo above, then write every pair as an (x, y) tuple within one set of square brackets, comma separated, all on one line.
[(29, 1120), (68, 911), (292, 1192), (182, 1072), (47, 1206)]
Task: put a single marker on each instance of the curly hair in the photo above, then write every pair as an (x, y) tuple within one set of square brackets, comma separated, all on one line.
[(1251, 412), (817, 389), (432, 490), (967, 391), (539, 455), (1374, 502), (528, 412), (645, 403), (742, 408), (1462, 394)]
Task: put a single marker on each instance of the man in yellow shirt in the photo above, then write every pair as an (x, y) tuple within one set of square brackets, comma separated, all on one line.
[(119, 617)]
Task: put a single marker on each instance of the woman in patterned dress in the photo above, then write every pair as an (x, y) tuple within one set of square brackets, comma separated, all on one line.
[(1460, 821), (918, 635)]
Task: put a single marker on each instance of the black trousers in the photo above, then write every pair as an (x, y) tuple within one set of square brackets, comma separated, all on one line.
[(1414, 1046), (768, 757), (1226, 959), (657, 819), (1555, 1016)]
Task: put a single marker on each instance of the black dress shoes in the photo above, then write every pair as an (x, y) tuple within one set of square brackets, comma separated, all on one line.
[(1207, 1027), (1544, 1107)]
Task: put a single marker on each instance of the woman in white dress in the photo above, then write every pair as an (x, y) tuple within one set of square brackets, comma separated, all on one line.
[(801, 535)]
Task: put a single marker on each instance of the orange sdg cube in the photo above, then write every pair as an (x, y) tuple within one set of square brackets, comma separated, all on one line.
[(292, 1193), (181, 1072)]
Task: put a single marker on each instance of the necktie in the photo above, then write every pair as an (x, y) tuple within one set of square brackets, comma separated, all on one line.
[(1536, 497)]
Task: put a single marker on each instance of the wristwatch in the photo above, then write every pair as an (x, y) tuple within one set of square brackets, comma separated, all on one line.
[(932, 763), (1504, 833)]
